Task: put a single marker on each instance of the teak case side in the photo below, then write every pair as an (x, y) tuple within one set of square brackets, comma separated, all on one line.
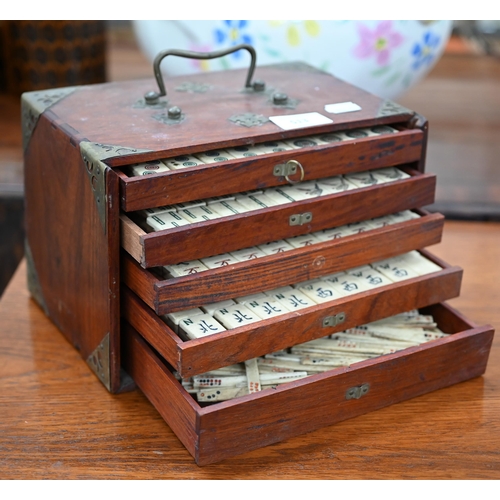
[(73, 266)]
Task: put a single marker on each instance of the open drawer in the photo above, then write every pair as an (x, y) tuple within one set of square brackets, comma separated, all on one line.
[(234, 345), (272, 271), (317, 160), (233, 232), (228, 428)]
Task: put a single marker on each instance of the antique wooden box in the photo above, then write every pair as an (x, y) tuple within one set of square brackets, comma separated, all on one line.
[(103, 161)]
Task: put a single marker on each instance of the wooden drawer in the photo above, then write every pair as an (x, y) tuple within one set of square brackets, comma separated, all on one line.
[(265, 273), (232, 346), (261, 226), (225, 429), (322, 160)]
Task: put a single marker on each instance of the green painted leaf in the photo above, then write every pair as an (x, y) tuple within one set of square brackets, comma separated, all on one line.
[(393, 78), (381, 71)]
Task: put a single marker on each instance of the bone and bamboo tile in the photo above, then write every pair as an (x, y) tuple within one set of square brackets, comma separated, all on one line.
[(185, 268), (199, 326), (149, 167), (184, 161), (166, 220), (214, 156)]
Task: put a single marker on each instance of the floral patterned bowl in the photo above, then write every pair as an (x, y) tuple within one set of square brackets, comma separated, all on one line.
[(383, 57)]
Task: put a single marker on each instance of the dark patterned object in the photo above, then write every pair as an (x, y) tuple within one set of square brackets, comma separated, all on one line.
[(11, 238), (48, 54)]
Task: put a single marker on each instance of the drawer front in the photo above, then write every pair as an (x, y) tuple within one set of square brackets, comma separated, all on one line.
[(230, 428), (270, 335), (193, 183), (234, 232), (273, 271)]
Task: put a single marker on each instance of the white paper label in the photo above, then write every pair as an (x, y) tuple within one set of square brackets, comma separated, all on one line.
[(342, 107), (290, 122)]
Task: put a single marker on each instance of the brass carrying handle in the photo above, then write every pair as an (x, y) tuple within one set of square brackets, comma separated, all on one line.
[(152, 97)]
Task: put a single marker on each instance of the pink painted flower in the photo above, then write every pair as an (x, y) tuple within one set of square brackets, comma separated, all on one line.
[(377, 42)]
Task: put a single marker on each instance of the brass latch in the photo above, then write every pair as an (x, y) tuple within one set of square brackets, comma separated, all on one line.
[(357, 392), (300, 219), (334, 320)]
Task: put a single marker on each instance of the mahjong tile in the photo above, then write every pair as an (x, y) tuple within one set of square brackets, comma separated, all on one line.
[(183, 161), (275, 247), (214, 156), (249, 298), (246, 254), (157, 210), (266, 308), (303, 240), (294, 300), (334, 233), (196, 327), (336, 184), (389, 174), (167, 220), (281, 289), (302, 142), (395, 270), (349, 285), (190, 204), (370, 277), (358, 133), (174, 318), (403, 216), (211, 308), (381, 221), (149, 167), (328, 138), (186, 268), (419, 263), (218, 199), (256, 201), (198, 214), (357, 228), (244, 151), (227, 208), (363, 179), (217, 261), (383, 129), (236, 316), (319, 291), (273, 147), (334, 277), (286, 192)]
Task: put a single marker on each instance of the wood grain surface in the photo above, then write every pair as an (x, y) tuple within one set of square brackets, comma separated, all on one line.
[(59, 422)]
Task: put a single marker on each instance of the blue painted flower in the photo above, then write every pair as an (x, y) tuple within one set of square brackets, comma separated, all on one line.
[(231, 33), (424, 52)]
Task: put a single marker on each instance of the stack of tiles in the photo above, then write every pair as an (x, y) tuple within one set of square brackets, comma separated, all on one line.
[(340, 349)]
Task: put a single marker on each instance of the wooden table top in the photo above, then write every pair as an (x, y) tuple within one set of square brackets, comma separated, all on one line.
[(58, 422)]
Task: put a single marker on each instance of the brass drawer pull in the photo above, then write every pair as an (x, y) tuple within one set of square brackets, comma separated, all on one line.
[(300, 219), (357, 392), (289, 168), (334, 320)]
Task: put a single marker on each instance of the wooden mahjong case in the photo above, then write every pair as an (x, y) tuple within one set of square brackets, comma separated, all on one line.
[(181, 226)]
